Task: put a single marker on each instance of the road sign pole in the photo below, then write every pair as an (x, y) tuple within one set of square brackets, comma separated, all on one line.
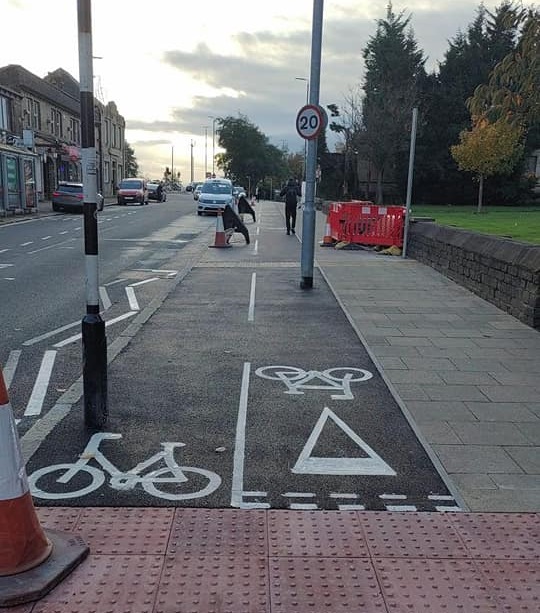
[(308, 218), (94, 342)]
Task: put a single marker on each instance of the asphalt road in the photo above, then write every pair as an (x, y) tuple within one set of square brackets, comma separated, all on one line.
[(260, 392)]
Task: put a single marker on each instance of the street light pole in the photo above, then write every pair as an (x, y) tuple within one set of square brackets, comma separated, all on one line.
[(205, 151), (213, 142), (192, 145), (305, 141), (94, 341)]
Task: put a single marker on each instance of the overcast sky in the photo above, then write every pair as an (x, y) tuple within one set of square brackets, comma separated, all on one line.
[(171, 65)]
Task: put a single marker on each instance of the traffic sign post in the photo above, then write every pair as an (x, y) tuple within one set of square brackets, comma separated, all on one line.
[(310, 121)]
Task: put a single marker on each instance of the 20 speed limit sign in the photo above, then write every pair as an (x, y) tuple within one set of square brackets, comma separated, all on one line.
[(309, 121)]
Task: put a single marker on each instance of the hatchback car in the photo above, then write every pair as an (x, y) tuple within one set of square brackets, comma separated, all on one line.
[(69, 197), (132, 190), (197, 190), (215, 194), (153, 193)]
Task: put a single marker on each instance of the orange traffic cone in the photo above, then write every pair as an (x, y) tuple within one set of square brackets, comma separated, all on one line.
[(327, 241), (39, 561), (221, 238)]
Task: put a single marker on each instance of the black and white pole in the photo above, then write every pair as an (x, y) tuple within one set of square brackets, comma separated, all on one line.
[(94, 342)]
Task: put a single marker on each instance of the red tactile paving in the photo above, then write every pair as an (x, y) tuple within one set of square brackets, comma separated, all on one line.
[(178, 560), (226, 532), (433, 586), (63, 519), (502, 536), (107, 584), (332, 585), (214, 584), (411, 535), (515, 584), (316, 533)]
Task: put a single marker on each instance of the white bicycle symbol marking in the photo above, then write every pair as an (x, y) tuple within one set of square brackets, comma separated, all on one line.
[(172, 474), (297, 379)]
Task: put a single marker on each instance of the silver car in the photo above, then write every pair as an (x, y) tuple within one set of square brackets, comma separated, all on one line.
[(68, 196), (215, 194)]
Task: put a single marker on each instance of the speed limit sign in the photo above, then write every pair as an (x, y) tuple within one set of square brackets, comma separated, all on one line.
[(309, 121)]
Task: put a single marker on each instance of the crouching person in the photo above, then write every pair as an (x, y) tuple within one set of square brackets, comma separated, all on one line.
[(231, 221), (245, 208)]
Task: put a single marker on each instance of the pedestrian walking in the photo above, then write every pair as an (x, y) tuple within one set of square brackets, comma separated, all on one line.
[(291, 192)]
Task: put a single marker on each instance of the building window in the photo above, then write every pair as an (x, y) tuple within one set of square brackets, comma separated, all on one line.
[(106, 172), (107, 132), (56, 122), (33, 114), (74, 130), (4, 114)]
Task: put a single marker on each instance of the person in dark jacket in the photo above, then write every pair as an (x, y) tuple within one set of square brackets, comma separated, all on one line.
[(231, 221), (291, 192), (244, 207)]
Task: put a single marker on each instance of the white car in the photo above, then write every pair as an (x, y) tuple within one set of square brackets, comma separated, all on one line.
[(196, 190), (215, 194)]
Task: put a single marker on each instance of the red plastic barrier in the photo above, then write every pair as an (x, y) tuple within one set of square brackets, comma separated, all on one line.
[(366, 223)]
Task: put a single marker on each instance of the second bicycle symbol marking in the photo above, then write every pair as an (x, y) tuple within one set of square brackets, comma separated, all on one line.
[(171, 476), (296, 380)]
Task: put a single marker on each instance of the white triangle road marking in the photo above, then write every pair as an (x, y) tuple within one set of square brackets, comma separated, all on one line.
[(308, 464)]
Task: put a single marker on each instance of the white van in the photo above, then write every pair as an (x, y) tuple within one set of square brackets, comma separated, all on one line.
[(215, 194)]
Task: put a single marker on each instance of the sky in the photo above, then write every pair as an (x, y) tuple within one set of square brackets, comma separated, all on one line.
[(174, 66)]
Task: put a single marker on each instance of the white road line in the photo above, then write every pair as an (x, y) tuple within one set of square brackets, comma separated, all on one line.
[(76, 337), (11, 366), (251, 310), (303, 507), (26, 244), (298, 495), (256, 247), (440, 497), (401, 507), (254, 505), (453, 509), (44, 238), (132, 299), (69, 240), (258, 231), (256, 494), (143, 282), (115, 282), (105, 300), (240, 442), (38, 339), (351, 507), (9, 278), (64, 232), (5, 265), (35, 404), (393, 497), (337, 495), (3, 250)]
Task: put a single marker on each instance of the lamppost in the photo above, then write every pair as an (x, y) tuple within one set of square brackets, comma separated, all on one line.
[(191, 168), (205, 151), (307, 102), (213, 142)]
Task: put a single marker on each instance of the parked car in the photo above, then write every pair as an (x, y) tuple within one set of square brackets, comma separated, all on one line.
[(69, 197), (189, 187), (197, 190), (215, 194), (153, 192), (132, 190)]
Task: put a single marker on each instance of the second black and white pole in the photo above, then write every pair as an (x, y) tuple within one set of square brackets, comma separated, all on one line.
[(94, 342)]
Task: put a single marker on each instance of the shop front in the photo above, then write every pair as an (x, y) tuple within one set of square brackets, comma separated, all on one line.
[(18, 180)]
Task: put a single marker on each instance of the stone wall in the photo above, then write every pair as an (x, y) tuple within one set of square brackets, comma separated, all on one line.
[(502, 271)]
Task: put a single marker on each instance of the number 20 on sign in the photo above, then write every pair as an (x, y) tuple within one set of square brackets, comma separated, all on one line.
[(309, 121)]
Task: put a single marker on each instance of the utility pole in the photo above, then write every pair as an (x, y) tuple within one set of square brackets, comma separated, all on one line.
[(172, 164), (213, 144), (205, 151), (94, 342)]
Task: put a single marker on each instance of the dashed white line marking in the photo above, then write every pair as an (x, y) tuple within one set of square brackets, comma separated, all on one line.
[(105, 300), (337, 495), (254, 505), (256, 247), (76, 337), (255, 494), (453, 509), (400, 507), (42, 337), (132, 299), (35, 404), (351, 507), (143, 282), (3, 250), (303, 507), (298, 495), (5, 265), (26, 244), (69, 240), (44, 238), (440, 497), (64, 232), (251, 310), (393, 496), (11, 366)]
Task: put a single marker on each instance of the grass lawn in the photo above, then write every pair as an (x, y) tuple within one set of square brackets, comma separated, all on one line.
[(518, 223)]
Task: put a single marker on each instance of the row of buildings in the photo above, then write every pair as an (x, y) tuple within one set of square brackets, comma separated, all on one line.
[(40, 138)]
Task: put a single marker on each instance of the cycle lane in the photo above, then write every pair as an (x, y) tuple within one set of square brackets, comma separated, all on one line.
[(316, 439)]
